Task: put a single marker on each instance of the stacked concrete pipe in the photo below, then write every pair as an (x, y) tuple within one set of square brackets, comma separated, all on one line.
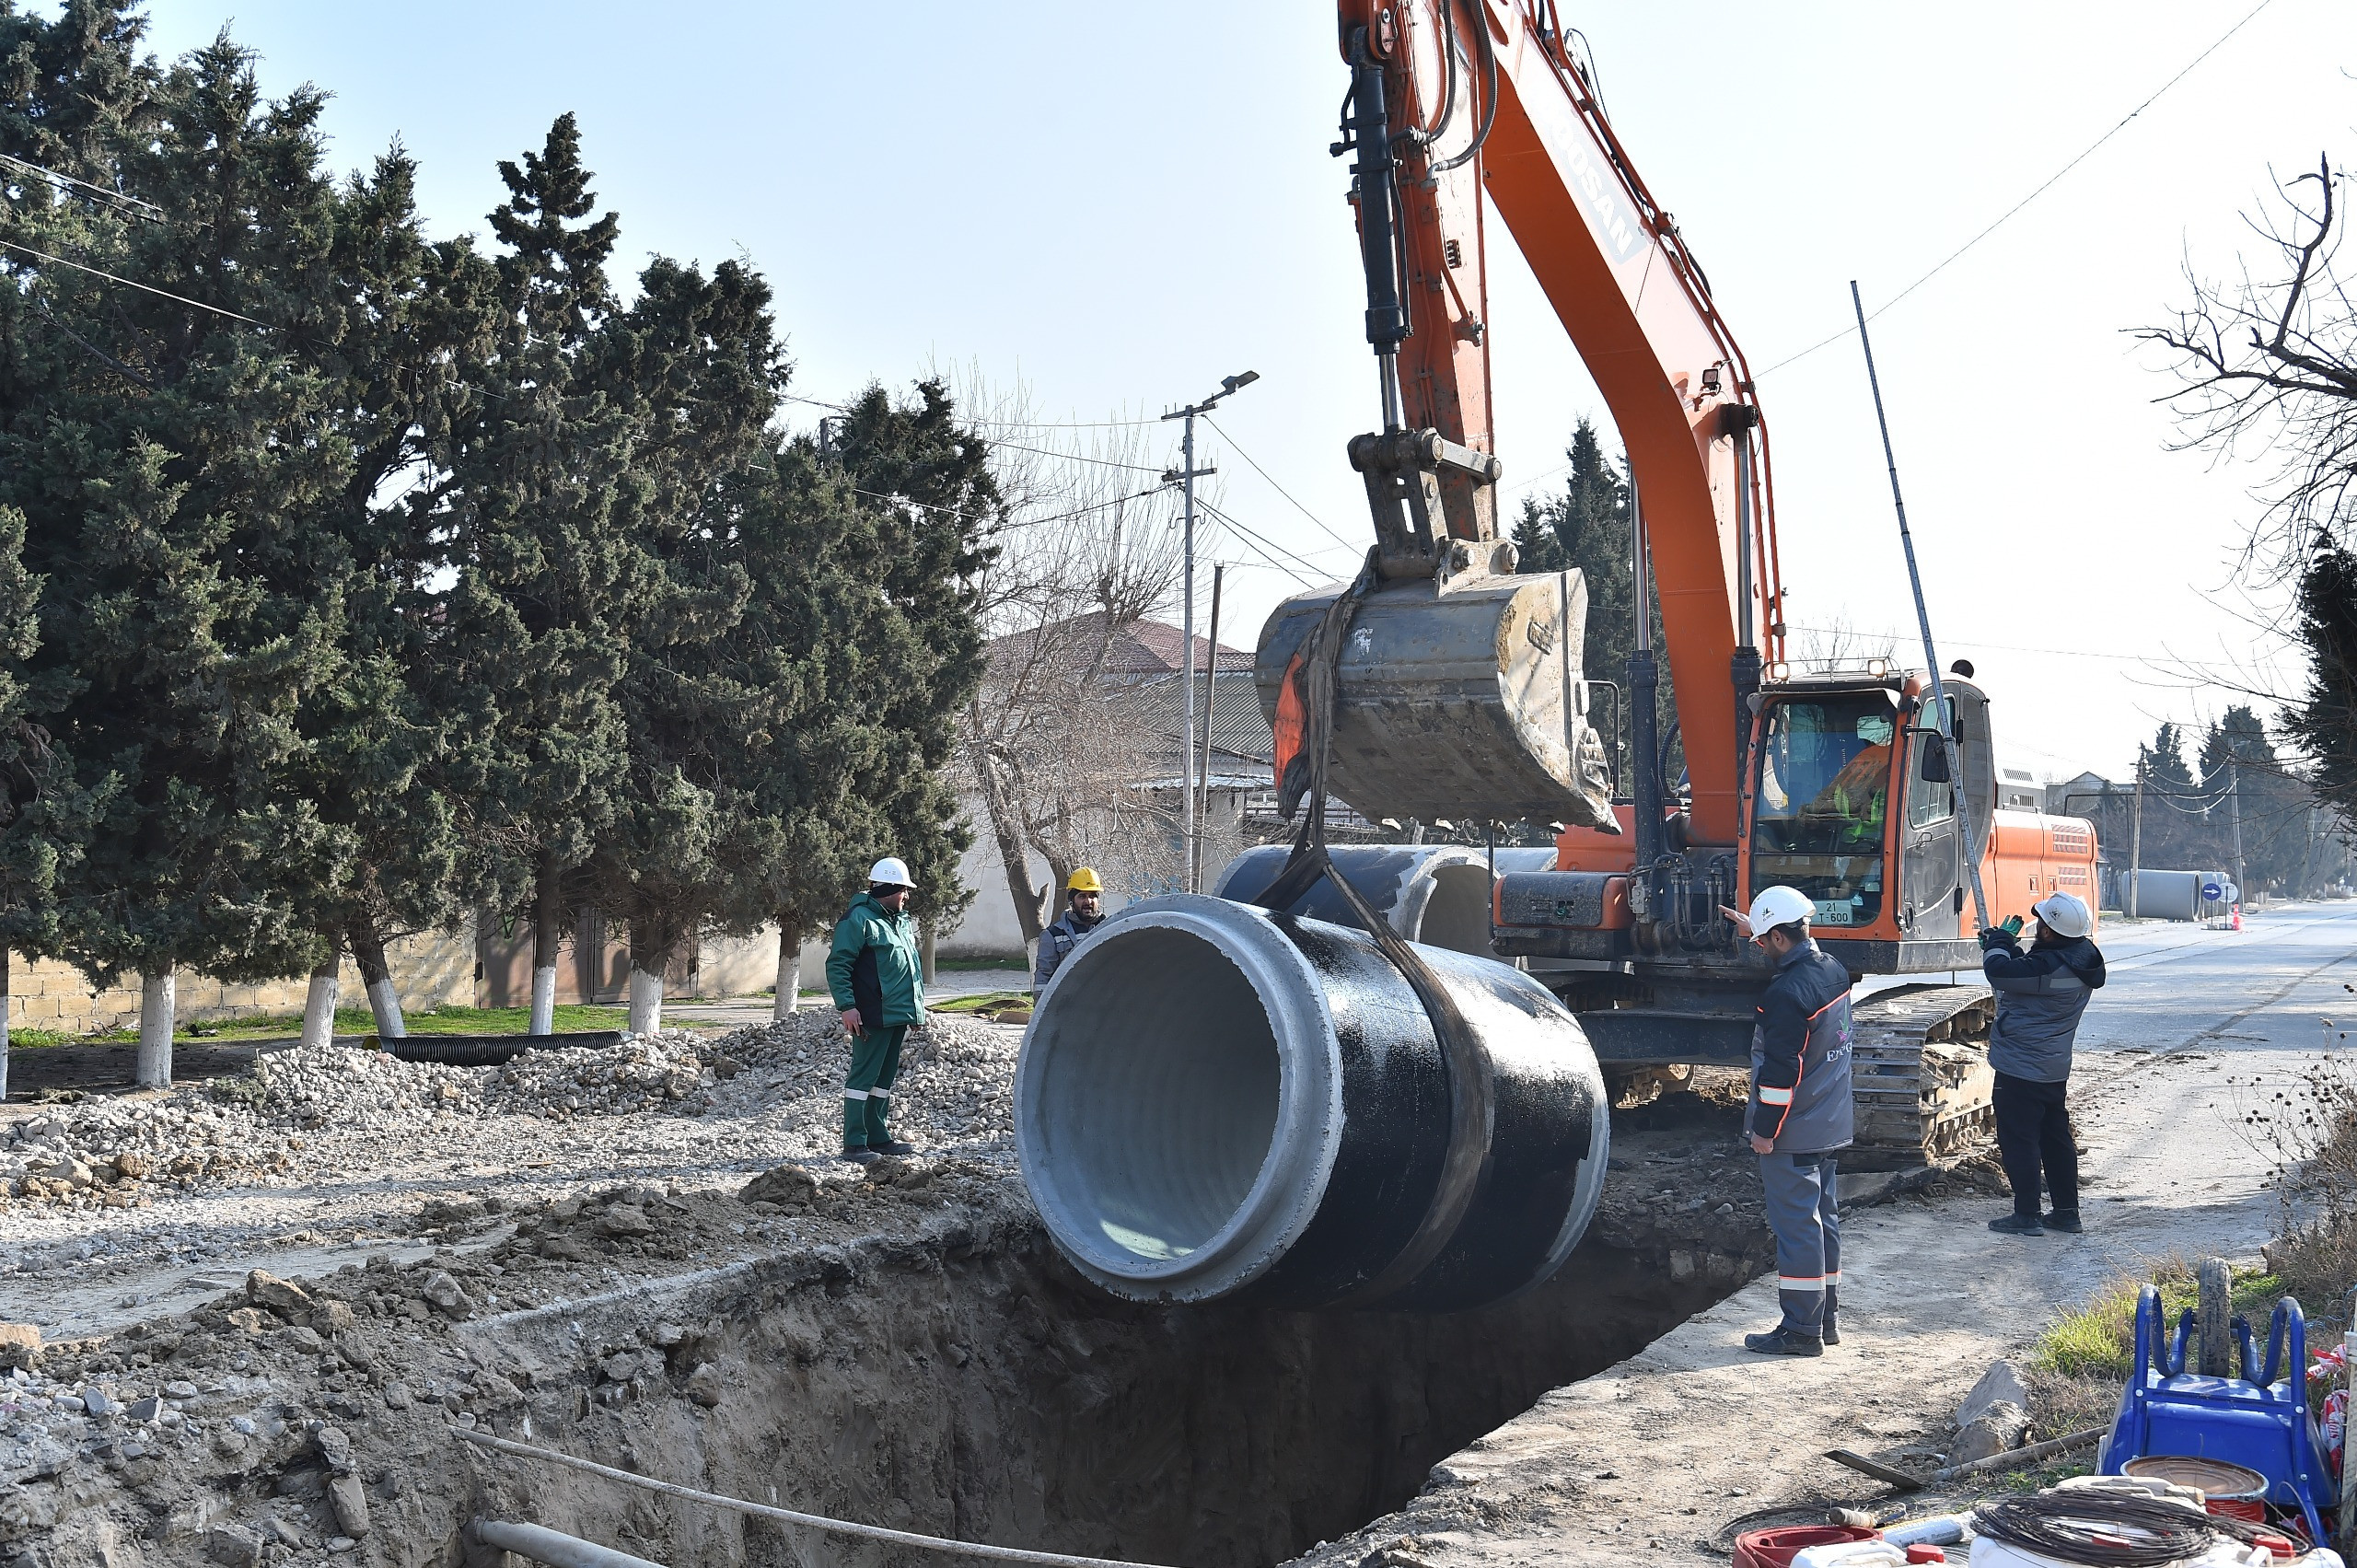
[(1215, 1100)]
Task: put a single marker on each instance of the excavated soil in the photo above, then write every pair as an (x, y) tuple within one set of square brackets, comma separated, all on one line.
[(940, 1371), (903, 1349)]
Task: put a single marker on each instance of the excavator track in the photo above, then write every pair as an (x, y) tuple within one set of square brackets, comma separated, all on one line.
[(1920, 1076)]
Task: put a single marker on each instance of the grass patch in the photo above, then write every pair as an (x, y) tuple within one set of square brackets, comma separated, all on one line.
[(2098, 1339), (570, 1020), (2079, 1366), (989, 1002)]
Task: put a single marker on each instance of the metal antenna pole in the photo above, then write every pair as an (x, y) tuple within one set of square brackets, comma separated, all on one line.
[(1941, 716)]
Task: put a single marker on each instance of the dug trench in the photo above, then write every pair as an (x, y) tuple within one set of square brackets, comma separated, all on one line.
[(911, 1353)]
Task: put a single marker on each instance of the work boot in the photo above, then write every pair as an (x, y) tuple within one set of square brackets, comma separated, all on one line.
[(894, 1147), (859, 1154), (2065, 1220), (2019, 1225), (1832, 1332), (1783, 1341)]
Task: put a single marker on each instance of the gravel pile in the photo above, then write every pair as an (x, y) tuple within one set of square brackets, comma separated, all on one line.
[(760, 1092)]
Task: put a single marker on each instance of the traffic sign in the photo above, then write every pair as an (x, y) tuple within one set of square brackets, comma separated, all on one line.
[(2213, 891)]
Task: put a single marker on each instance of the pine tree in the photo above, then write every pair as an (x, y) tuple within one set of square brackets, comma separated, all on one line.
[(161, 453)]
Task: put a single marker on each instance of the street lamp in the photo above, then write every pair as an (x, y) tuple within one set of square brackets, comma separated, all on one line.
[(1228, 386)]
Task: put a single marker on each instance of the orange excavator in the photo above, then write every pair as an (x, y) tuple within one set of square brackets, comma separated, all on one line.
[(1456, 688)]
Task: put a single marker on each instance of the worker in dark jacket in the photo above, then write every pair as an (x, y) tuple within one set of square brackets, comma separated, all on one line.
[(877, 982), (2041, 995), (1798, 1116), (1083, 912)]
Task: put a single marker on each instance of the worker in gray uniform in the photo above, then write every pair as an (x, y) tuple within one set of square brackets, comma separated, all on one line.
[(2041, 995), (1799, 1114)]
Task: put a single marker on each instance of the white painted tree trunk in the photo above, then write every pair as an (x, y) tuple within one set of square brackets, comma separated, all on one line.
[(4, 1023), (789, 975), (544, 1001), (156, 996), (646, 1002), (385, 1004), (319, 1003)]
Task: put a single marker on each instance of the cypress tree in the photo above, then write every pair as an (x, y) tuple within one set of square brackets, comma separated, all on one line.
[(163, 455), (544, 492), (697, 368), (1586, 527), (925, 479), (385, 758)]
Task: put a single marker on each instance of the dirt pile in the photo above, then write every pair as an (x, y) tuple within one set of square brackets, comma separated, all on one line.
[(337, 1108)]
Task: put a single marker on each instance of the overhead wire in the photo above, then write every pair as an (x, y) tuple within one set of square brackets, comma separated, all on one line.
[(2007, 215), (1279, 489), (1298, 568), (1010, 445), (128, 205), (131, 283)]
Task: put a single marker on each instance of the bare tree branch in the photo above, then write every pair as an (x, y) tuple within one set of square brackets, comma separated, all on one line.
[(2269, 367)]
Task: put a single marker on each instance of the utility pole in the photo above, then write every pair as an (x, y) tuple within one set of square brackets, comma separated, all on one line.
[(1210, 712), (2234, 816), (1189, 474), (2136, 840)]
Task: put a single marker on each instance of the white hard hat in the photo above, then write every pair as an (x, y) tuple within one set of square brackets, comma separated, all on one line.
[(891, 872), (1778, 906), (2065, 914)]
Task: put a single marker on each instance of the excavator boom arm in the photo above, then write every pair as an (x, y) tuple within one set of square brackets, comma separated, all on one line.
[(1493, 78)]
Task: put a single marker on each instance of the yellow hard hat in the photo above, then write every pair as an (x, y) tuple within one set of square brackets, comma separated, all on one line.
[(1084, 880)]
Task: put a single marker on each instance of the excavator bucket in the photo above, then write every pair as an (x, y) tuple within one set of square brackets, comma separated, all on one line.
[(1456, 701)]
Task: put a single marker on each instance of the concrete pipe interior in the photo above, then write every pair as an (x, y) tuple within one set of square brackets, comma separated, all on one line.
[(1166, 1097)]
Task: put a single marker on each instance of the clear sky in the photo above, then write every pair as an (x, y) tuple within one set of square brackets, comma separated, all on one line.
[(1119, 204)]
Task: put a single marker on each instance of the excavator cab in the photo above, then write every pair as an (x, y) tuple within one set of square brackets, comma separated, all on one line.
[(1823, 803), (1853, 803)]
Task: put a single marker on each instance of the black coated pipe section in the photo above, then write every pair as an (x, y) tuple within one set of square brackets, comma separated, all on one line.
[(1215, 1100)]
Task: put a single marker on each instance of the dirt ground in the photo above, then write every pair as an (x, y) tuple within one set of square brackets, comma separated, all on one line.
[(1665, 1449), (596, 1276)]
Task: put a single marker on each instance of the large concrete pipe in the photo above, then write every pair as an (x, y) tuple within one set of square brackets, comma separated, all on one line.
[(1213, 1098), (1436, 894)]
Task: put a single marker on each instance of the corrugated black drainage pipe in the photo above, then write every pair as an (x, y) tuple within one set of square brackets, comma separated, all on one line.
[(1214, 1099)]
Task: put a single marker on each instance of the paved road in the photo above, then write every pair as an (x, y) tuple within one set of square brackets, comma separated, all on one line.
[(2195, 1027)]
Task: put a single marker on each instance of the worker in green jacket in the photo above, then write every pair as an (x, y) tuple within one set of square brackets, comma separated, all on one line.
[(877, 982)]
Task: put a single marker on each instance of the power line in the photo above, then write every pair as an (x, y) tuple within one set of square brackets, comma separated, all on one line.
[(1010, 445), (1083, 511), (1976, 643), (147, 288), (1279, 489), (2033, 195), (129, 206), (1283, 559), (1071, 457)]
